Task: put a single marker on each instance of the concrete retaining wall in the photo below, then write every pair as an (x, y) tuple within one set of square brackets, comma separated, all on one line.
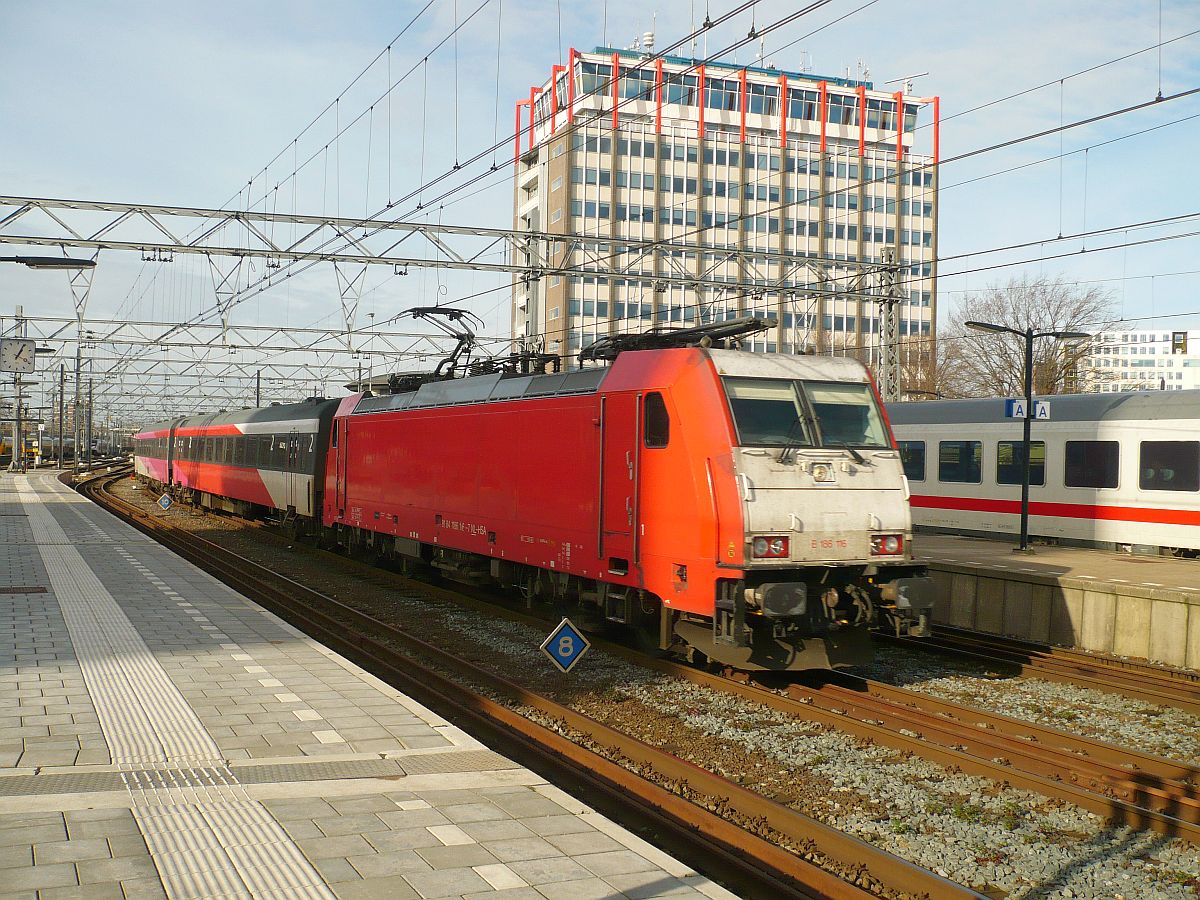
[(1128, 620)]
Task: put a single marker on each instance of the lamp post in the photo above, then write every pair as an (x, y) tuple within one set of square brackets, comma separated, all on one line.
[(1029, 336)]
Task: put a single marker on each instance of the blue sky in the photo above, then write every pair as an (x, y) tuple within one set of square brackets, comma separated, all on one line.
[(183, 105)]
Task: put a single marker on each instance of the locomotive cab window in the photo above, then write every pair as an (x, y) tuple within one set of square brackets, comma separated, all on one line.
[(1092, 464), (656, 424), (960, 461), (1010, 459), (846, 414), (1169, 466), (912, 457), (777, 412), (767, 411)]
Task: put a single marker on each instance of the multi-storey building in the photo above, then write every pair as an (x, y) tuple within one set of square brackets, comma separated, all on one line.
[(715, 191), (1141, 361)]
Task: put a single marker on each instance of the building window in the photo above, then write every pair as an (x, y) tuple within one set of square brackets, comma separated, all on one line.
[(1169, 466), (1092, 464), (555, 216), (1010, 457), (556, 184), (912, 457), (960, 461), (722, 93)]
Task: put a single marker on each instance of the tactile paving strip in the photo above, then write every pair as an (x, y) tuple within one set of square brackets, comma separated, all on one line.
[(201, 777), (206, 837)]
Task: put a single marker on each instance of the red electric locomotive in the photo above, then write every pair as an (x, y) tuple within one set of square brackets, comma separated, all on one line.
[(749, 509)]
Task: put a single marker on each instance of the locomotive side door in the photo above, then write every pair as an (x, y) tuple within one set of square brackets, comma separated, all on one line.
[(339, 465), (618, 480)]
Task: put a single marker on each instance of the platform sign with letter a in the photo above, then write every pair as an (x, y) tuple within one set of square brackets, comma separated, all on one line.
[(565, 646), (1015, 409), (165, 502)]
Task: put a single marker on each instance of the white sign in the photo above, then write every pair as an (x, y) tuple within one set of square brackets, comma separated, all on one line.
[(1015, 409)]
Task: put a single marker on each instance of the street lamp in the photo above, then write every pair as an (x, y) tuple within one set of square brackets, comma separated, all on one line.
[(50, 262), (1029, 336)]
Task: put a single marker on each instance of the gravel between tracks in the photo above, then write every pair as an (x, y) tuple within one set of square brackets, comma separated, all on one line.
[(969, 829), (1160, 730)]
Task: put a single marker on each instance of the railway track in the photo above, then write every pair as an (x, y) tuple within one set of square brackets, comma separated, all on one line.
[(1128, 678), (745, 845)]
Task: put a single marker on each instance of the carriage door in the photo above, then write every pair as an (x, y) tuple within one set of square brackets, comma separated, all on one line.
[(292, 479), (618, 477)]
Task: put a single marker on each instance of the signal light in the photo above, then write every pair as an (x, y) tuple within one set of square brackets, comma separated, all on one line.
[(769, 547), (887, 544)]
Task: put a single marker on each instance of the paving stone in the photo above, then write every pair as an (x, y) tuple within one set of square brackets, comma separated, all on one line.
[(474, 812), (376, 889), (127, 845), (393, 862), (10, 837), (563, 824), (513, 849), (411, 818), (83, 892), (70, 851), (403, 839), (143, 889), (345, 845), (335, 869), (20, 855), (551, 869), (585, 889), (447, 883), (525, 893), (579, 842), (456, 856), (496, 830), (103, 828), (500, 876), (644, 885), (356, 824), (40, 877), (125, 868), (615, 862), (354, 805)]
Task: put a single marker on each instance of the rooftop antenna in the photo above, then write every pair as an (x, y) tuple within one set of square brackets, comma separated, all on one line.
[(908, 81), (806, 64)]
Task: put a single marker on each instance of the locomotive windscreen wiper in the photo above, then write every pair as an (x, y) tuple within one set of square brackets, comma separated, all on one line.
[(858, 457)]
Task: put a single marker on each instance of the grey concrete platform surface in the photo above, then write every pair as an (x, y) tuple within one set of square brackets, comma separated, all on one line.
[(1140, 606), (161, 736)]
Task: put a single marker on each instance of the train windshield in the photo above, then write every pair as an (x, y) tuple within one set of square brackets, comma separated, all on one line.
[(773, 412)]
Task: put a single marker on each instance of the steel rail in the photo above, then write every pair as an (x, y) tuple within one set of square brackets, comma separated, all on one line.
[(724, 845), (1084, 670)]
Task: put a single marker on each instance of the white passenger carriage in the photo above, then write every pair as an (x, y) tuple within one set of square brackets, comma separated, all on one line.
[(1107, 470)]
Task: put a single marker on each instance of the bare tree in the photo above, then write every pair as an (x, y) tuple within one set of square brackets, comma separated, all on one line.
[(929, 369), (988, 364)]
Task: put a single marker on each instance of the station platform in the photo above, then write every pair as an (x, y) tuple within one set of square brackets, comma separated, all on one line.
[(1138, 606), (162, 736)]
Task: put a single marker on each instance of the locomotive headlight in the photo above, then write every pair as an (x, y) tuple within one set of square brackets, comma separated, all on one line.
[(887, 544), (822, 472), (770, 547)]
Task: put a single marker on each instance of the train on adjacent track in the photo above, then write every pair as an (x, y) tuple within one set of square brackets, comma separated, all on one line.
[(747, 510), (1110, 470)]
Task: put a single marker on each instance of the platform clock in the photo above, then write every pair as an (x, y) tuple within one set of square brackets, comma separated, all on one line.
[(16, 355)]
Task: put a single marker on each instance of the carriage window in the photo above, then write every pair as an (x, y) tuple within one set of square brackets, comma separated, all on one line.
[(1010, 457), (960, 461), (912, 457), (657, 425), (1169, 466), (1092, 464)]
